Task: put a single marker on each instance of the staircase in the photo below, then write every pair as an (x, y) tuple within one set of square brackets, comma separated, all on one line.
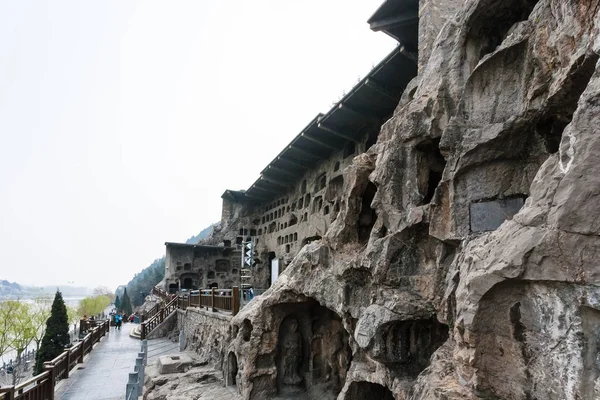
[(156, 315)]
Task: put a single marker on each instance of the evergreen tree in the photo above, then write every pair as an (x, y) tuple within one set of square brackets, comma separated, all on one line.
[(56, 337), (117, 303), (126, 303)]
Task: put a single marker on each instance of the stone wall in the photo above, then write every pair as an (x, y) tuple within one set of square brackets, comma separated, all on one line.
[(207, 333), (199, 267), (164, 328)]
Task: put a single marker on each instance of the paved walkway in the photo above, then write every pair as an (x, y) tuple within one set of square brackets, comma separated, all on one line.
[(104, 373)]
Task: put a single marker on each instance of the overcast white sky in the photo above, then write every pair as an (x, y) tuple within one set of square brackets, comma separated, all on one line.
[(122, 122)]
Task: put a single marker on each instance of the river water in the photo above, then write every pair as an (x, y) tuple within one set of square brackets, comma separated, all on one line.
[(69, 301)]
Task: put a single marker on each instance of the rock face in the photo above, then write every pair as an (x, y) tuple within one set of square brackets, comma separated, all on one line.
[(479, 277)]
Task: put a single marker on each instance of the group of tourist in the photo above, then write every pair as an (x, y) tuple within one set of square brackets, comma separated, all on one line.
[(120, 318)]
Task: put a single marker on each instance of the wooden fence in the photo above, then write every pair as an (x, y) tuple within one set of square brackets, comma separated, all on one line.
[(41, 387), (158, 292), (212, 299)]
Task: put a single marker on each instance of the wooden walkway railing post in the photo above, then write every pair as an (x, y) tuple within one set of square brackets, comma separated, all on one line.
[(212, 300), (51, 380), (235, 293)]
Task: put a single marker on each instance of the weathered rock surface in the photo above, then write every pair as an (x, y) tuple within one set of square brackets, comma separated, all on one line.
[(451, 297), (171, 364), (199, 383)]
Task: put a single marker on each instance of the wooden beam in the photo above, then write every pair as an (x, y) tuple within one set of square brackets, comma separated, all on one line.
[(281, 170), (317, 141), (294, 163), (264, 189), (408, 18), (361, 114), (306, 153), (376, 86), (336, 133), (275, 182), (257, 197)]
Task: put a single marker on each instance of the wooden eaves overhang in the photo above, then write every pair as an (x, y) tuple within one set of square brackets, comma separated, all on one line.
[(360, 112), (400, 20), (199, 248)]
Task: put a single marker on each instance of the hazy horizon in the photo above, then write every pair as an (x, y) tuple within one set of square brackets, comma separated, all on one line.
[(122, 123)]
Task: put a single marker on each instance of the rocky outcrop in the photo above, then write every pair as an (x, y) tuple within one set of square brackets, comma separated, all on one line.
[(475, 274)]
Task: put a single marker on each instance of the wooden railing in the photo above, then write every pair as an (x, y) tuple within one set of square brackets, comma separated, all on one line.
[(159, 316), (41, 387), (158, 292), (213, 299)]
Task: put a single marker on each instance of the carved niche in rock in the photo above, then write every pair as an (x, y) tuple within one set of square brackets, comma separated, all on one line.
[(313, 353), (410, 343), (291, 352), (368, 390)]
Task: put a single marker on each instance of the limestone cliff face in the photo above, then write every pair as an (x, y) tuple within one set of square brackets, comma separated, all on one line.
[(480, 277)]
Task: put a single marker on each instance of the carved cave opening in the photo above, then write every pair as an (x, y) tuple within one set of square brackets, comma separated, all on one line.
[(368, 390), (232, 368), (187, 283), (293, 220), (173, 287), (551, 125), (222, 265), (313, 353), (367, 216), (491, 24), (311, 239), (431, 164), (409, 344), (246, 329)]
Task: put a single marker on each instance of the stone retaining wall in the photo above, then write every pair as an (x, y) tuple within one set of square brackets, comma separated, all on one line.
[(207, 333)]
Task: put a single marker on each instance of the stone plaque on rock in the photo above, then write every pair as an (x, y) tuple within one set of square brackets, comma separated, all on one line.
[(489, 215)]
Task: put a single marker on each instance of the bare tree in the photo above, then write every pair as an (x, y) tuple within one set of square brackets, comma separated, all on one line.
[(20, 334), (7, 310), (103, 290), (40, 312), (74, 316)]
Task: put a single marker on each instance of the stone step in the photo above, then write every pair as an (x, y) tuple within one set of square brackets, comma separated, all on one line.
[(136, 332)]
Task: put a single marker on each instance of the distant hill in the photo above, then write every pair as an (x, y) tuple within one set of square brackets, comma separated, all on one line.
[(12, 290), (204, 233), (141, 284)]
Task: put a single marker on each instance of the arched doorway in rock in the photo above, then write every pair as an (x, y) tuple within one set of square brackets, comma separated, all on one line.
[(232, 369), (173, 287), (187, 283), (368, 390)]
